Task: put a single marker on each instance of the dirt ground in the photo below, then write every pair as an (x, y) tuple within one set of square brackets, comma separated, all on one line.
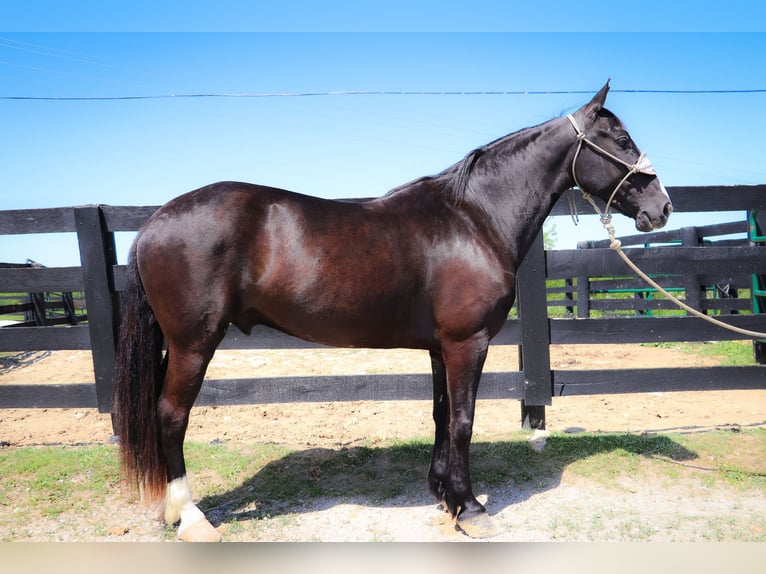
[(569, 508), (352, 423)]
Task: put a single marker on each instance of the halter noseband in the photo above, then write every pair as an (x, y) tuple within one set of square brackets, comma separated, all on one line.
[(642, 165)]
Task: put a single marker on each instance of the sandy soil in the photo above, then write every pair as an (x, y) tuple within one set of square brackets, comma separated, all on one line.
[(351, 423)]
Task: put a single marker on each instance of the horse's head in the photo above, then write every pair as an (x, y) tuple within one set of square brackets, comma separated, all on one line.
[(608, 164)]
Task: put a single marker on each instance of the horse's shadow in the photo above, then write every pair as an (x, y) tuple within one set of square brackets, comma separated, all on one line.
[(318, 479)]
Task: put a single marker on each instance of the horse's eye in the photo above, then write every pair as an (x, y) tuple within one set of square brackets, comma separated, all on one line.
[(623, 142)]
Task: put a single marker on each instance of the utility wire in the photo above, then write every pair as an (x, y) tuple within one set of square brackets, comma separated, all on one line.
[(374, 93)]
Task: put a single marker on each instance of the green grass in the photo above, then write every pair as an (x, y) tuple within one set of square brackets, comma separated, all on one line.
[(240, 485), (729, 353), (380, 475), (54, 480)]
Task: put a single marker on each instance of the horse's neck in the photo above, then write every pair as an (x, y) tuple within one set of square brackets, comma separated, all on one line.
[(520, 182)]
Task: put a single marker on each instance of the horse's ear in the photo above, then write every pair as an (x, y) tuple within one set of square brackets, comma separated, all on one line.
[(597, 103)]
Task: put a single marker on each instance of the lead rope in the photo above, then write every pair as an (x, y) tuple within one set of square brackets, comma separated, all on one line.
[(616, 246)]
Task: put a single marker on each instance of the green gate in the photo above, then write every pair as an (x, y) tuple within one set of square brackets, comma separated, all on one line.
[(757, 234)]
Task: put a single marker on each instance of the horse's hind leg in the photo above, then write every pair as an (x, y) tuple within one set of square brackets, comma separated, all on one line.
[(185, 372)]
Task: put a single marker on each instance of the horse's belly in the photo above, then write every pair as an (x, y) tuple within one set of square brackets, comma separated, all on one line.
[(369, 325)]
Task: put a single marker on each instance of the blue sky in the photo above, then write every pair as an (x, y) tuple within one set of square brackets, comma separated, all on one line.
[(144, 152)]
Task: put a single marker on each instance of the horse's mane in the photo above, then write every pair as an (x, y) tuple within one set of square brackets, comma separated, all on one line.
[(455, 178), (454, 182)]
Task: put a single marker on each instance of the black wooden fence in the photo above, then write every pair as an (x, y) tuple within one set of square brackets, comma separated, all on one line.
[(712, 291), (101, 279), (41, 309)]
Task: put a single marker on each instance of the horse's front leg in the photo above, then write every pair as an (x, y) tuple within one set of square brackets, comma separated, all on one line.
[(438, 472), (464, 361)]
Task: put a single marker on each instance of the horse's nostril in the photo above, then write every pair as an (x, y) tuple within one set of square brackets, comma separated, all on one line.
[(668, 209)]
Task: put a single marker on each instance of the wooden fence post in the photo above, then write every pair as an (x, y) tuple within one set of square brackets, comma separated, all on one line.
[(97, 255), (693, 288), (583, 297), (569, 296), (534, 352)]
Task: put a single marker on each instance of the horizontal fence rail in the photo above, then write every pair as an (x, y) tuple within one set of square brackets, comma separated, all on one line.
[(563, 298)]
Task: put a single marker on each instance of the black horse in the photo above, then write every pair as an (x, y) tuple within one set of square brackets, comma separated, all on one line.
[(431, 265)]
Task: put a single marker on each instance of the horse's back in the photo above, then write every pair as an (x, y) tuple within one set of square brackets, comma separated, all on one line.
[(320, 269)]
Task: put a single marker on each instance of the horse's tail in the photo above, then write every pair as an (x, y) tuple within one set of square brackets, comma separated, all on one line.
[(138, 378)]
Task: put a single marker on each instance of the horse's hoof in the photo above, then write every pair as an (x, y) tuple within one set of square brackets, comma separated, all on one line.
[(478, 525), (199, 531)]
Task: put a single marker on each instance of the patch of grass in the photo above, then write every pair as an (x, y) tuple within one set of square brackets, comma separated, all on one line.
[(269, 482), (243, 484), (384, 473), (729, 353), (608, 458), (734, 458), (52, 480), (231, 465), (635, 529)]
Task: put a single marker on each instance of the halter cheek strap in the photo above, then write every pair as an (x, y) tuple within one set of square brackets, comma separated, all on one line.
[(642, 165)]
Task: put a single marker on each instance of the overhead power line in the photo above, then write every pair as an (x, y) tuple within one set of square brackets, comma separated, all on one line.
[(375, 93)]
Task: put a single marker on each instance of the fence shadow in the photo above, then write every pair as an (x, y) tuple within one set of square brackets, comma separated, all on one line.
[(509, 472)]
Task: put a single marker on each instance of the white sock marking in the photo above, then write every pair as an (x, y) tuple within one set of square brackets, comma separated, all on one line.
[(179, 504)]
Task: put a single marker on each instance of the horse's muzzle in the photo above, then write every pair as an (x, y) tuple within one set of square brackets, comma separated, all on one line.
[(649, 221)]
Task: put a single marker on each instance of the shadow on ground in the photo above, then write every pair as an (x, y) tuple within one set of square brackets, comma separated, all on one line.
[(20, 360), (317, 479)]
